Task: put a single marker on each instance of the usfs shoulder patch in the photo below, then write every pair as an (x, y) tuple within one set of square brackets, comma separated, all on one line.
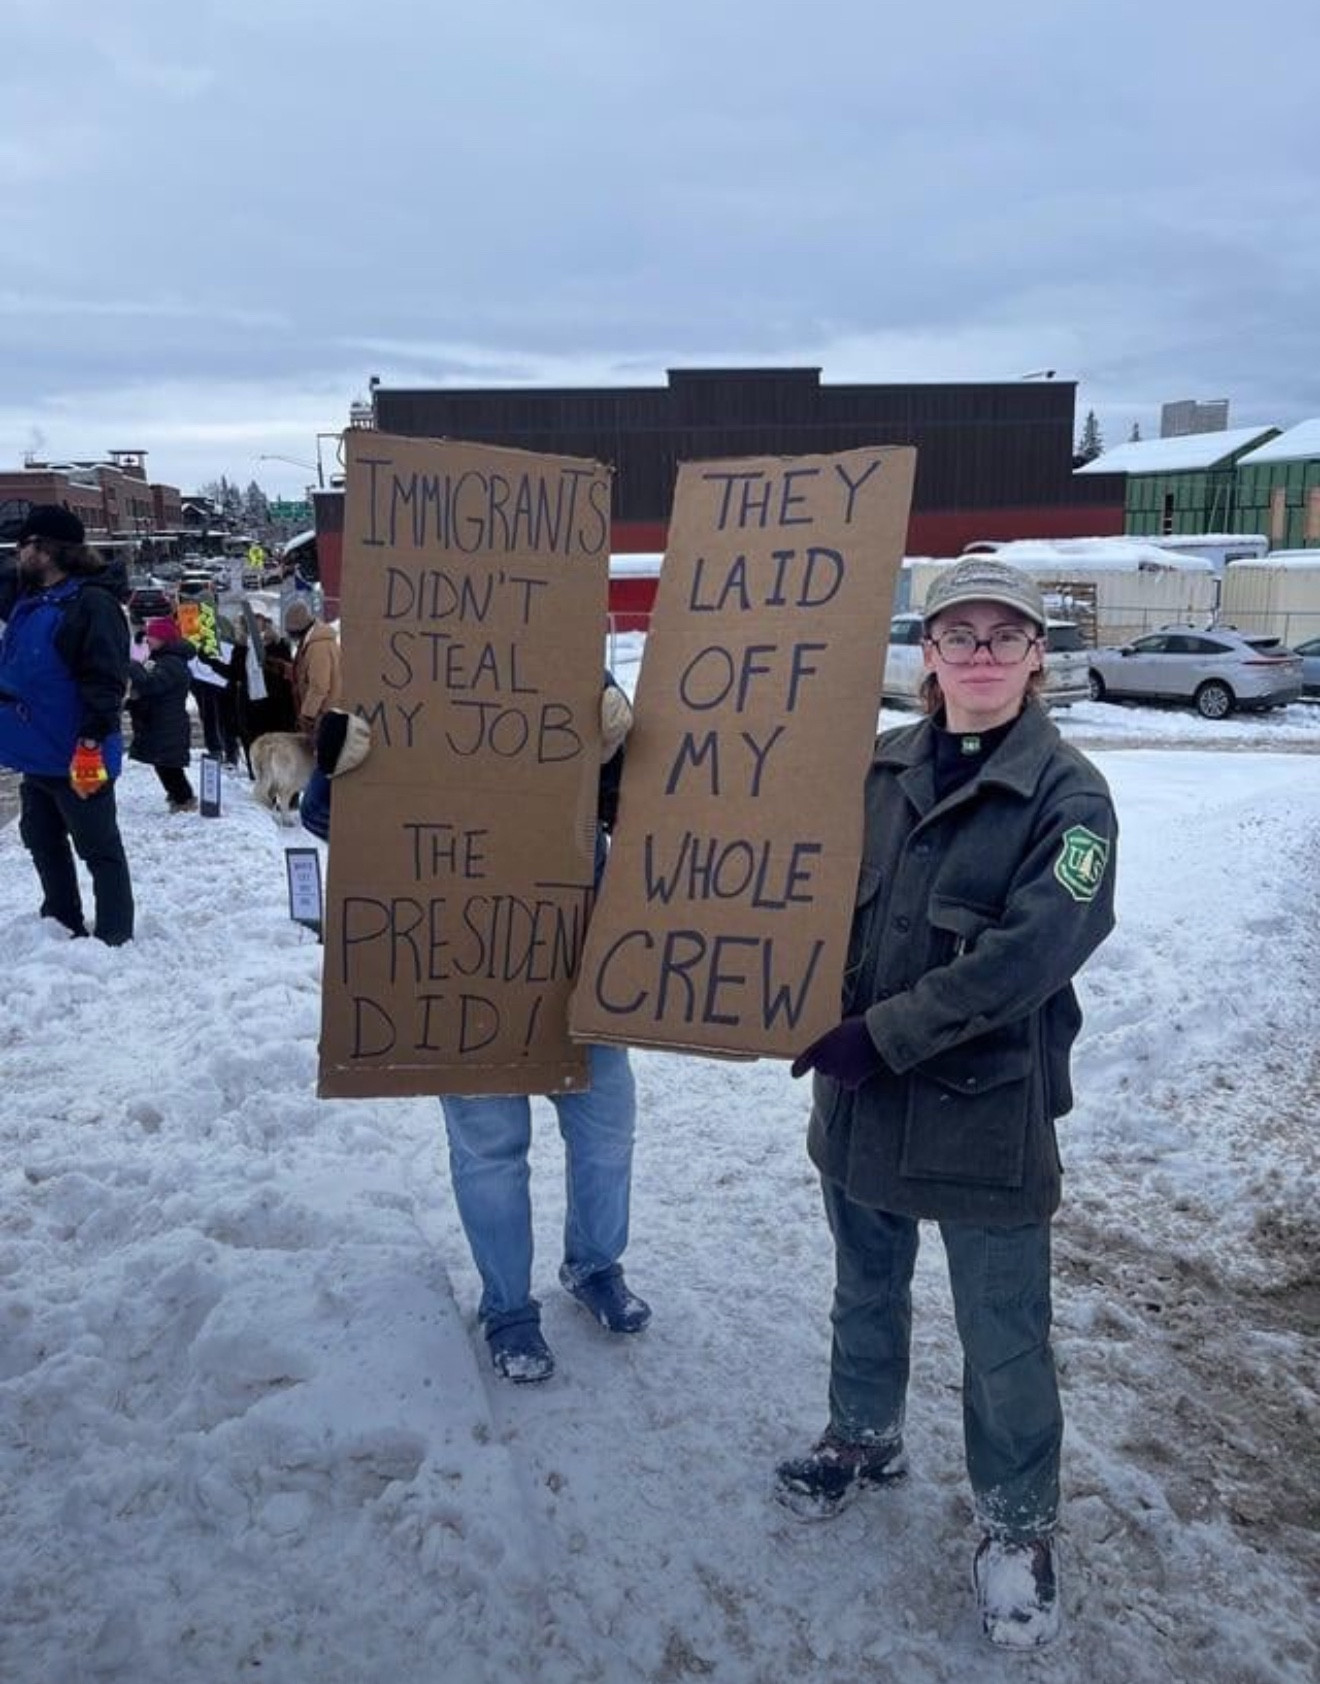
[(1081, 864)]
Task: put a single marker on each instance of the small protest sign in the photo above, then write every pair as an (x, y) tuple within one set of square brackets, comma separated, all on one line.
[(724, 915), (303, 868), (461, 859), (211, 786)]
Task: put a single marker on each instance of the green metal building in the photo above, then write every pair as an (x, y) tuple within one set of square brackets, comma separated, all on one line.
[(1182, 485), (1278, 489)]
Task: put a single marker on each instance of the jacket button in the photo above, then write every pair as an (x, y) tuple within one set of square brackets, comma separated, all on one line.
[(902, 923)]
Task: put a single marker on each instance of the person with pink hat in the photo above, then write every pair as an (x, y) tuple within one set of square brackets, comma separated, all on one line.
[(158, 710)]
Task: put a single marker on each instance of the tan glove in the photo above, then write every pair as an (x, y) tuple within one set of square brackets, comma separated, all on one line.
[(616, 717)]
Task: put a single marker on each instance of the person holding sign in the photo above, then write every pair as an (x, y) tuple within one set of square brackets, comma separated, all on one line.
[(490, 1135), (987, 880)]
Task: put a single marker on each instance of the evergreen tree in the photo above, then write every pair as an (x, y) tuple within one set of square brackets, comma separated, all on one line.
[(256, 508), (1134, 437), (1091, 444)]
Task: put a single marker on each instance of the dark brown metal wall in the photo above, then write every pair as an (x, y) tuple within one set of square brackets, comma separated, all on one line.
[(984, 446)]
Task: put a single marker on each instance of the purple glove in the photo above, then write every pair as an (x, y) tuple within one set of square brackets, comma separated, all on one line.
[(847, 1054)]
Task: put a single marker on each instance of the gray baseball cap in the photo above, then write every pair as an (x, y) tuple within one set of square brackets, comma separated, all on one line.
[(984, 578)]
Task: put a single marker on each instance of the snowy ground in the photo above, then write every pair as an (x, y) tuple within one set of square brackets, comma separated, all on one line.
[(247, 1430)]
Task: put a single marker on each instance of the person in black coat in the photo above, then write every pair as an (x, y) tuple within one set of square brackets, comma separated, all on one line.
[(158, 708), (269, 706)]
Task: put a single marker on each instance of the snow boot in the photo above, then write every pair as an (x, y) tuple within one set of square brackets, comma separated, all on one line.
[(607, 1297), (519, 1353), (1017, 1591), (816, 1486)]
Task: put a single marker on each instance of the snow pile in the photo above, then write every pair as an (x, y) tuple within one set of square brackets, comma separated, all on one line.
[(248, 1430)]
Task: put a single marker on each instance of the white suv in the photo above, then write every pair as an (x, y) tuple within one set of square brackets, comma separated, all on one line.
[(1067, 675)]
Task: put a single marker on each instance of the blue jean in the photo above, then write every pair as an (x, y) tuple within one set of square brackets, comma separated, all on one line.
[(1000, 1279), (489, 1139)]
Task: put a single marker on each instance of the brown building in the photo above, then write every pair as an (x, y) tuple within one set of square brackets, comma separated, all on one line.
[(113, 498), (82, 493), (994, 459)]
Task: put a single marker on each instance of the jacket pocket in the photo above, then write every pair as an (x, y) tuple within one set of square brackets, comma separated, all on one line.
[(968, 1114), (1062, 1018), (958, 923), (860, 936)]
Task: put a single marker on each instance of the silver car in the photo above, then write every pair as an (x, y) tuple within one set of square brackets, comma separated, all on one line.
[(1215, 669), (1066, 677), (1310, 653)]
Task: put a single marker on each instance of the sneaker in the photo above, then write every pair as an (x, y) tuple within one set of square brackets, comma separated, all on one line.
[(1017, 1591), (608, 1298), (520, 1354), (825, 1480)]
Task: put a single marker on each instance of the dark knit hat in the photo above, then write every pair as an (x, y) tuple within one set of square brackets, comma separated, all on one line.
[(53, 521), (161, 630)]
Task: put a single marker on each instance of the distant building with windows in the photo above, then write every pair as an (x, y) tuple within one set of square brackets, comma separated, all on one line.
[(1178, 485), (1187, 416), (112, 497), (1245, 480), (1278, 488)]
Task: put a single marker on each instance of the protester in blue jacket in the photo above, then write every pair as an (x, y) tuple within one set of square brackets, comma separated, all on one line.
[(63, 675)]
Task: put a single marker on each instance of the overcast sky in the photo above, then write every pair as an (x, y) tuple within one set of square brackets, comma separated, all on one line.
[(221, 218)]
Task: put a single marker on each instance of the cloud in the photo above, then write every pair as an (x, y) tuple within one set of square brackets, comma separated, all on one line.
[(599, 193)]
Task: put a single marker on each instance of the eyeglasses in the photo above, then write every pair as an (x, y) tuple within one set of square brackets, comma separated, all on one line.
[(1008, 646)]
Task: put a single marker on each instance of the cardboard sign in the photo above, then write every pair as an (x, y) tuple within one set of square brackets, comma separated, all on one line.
[(725, 911), (461, 852)]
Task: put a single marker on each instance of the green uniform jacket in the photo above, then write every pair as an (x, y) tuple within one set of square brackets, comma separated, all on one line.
[(972, 917)]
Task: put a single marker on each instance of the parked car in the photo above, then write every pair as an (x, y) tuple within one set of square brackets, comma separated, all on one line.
[(1066, 663), (1310, 653), (1215, 669), (149, 602), (194, 585)]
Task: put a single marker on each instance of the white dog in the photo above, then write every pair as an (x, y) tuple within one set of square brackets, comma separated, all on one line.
[(281, 764)]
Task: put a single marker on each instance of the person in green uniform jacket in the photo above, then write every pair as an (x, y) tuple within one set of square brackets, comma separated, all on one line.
[(986, 882)]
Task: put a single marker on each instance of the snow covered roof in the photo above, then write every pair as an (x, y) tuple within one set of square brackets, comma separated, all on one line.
[(1044, 555), (1165, 456), (1297, 444), (1289, 560), (1191, 540)]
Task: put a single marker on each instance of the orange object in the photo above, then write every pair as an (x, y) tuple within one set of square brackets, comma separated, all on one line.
[(87, 771)]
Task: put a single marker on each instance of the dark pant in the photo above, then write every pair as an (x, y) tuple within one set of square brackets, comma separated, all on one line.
[(215, 710), (174, 781), (1000, 1277), (53, 822)]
